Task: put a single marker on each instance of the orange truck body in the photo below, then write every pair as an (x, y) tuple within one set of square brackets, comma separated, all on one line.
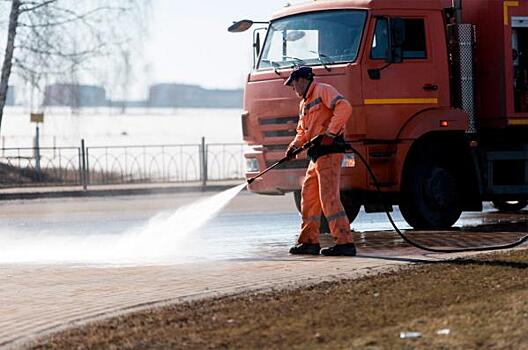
[(410, 108)]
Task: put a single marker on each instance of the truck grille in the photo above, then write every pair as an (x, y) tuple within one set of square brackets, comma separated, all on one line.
[(279, 127), (280, 133), (279, 121), (276, 148), (292, 164)]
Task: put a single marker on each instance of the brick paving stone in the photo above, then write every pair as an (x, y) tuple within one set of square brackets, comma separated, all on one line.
[(37, 300)]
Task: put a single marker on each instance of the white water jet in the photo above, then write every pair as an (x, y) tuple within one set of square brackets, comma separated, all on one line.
[(160, 240)]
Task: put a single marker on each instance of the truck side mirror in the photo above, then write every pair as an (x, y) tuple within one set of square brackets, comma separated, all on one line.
[(397, 38), (392, 34), (256, 44), (240, 26)]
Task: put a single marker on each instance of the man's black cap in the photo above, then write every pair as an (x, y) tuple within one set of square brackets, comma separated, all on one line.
[(299, 72)]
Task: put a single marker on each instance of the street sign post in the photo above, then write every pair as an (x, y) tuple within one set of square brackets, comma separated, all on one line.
[(37, 118)]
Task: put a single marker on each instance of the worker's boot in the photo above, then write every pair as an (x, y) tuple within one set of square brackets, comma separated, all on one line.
[(348, 249), (306, 248)]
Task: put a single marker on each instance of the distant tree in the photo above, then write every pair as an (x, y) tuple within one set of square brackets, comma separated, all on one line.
[(60, 38), (124, 77)]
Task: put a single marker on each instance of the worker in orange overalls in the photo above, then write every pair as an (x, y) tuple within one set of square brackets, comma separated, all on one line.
[(323, 111)]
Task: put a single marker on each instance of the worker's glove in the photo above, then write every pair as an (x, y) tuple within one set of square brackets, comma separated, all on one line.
[(327, 140), (290, 151)]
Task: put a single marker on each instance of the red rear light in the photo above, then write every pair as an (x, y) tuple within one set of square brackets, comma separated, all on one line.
[(444, 123)]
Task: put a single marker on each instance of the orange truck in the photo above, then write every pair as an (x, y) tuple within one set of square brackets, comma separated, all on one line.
[(439, 90)]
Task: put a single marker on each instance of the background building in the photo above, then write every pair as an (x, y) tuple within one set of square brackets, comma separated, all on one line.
[(74, 95), (180, 95)]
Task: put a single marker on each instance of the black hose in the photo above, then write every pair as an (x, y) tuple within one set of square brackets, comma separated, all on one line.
[(418, 245)]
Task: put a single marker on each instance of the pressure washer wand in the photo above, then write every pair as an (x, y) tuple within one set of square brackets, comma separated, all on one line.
[(316, 140)]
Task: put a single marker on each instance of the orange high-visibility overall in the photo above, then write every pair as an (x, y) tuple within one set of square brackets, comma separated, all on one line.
[(323, 110)]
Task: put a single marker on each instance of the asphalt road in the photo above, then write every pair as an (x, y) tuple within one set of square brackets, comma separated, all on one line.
[(65, 262), (174, 229)]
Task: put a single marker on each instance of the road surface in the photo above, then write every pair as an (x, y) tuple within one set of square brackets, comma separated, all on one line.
[(69, 261)]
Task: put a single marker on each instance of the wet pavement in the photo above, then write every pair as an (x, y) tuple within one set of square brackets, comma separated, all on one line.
[(62, 261), (99, 230)]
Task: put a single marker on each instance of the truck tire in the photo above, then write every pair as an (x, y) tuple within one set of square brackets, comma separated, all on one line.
[(430, 195), (351, 206), (323, 228), (508, 206)]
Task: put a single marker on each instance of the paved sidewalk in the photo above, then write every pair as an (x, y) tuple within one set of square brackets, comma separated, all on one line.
[(113, 190), (38, 300)]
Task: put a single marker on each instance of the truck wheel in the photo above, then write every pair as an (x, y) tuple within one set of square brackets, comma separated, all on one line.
[(508, 206), (351, 206), (429, 198)]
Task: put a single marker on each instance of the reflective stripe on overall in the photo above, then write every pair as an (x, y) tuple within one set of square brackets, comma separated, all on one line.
[(322, 110), (320, 194)]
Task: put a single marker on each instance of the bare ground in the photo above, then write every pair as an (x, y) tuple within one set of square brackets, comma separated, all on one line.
[(483, 301)]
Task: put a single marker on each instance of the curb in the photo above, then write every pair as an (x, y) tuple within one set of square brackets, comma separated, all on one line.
[(114, 192)]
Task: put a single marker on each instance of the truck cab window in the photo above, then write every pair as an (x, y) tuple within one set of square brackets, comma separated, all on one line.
[(380, 42), (325, 37), (414, 45)]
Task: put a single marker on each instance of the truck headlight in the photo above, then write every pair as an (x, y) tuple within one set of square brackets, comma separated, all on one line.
[(252, 165), (349, 161)]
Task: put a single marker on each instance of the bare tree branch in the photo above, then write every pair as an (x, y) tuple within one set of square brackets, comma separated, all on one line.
[(37, 5), (76, 54), (68, 40), (26, 68), (74, 17), (8, 56)]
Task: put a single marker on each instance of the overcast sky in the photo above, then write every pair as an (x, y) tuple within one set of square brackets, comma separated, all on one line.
[(189, 41)]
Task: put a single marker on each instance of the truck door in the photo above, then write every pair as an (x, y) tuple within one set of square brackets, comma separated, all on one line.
[(401, 90)]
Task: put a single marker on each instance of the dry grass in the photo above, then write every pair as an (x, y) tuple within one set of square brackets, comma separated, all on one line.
[(12, 176), (482, 301)]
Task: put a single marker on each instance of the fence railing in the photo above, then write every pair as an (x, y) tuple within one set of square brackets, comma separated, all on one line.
[(225, 161), (86, 166), (40, 166)]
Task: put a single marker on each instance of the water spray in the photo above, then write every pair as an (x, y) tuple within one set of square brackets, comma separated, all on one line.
[(166, 238)]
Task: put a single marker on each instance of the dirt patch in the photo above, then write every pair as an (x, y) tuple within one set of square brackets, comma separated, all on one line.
[(13, 176), (482, 301)]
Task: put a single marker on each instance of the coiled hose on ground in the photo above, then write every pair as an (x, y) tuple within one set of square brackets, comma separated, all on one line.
[(418, 245)]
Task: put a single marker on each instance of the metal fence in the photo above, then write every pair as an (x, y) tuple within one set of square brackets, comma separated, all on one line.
[(225, 161), (86, 166), (40, 166)]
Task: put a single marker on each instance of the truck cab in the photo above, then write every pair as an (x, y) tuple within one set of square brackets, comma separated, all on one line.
[(439, 118)]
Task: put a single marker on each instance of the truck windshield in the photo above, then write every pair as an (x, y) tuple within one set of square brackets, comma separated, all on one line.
[(325, 37)]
